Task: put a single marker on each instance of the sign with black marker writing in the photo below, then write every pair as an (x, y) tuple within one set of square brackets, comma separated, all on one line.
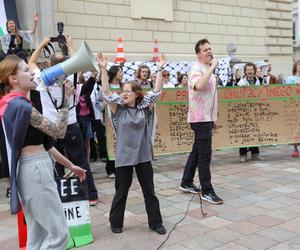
[(74, 197), (247, 116)]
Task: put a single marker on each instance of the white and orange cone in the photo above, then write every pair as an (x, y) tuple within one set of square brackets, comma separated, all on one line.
[(120, 52), (155, 51)]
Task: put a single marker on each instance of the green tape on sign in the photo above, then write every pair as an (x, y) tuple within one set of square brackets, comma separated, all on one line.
[(80, 235), (74, 197), (83, 240), (1, 32)]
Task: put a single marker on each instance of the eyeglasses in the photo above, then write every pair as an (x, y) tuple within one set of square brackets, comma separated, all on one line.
[(166, 75), (127, 91)]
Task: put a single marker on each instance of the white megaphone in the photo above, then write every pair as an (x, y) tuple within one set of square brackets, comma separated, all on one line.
[(83, 60)]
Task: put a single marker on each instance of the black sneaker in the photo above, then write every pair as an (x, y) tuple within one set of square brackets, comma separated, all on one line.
[(116, 230), (189, 189), (212, 198), (159, 229)]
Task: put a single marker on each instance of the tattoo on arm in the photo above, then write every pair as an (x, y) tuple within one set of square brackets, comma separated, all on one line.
[(42, 123)]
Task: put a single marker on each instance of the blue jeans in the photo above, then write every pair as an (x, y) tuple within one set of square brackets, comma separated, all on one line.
[(200, 157)]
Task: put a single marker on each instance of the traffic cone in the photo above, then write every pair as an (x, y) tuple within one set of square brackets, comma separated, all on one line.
[(155, 51), (120, 56)]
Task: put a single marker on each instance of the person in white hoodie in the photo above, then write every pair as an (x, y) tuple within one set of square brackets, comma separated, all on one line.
[(249, 79), (249, 76)]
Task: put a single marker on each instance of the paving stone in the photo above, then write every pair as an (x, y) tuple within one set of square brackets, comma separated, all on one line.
[(283, 214), (234, 216), (252, 210), (284, 190), (202, 242), (245, 227), (277, 234), (231, 246), (214, 222), (256, 242), (292, 225), (224, 235), (265, 220)]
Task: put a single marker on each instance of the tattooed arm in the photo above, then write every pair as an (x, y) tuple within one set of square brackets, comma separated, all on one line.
[(58, 129), (55, 130)]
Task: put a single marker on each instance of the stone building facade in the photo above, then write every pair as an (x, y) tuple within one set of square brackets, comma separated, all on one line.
[(262, 29)]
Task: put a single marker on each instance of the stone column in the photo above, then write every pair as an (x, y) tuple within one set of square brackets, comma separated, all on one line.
[(26, 10)]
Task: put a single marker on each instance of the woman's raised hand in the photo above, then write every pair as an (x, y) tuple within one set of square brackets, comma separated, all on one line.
[(161, 61), (102, 60), (69, 88), (36, 17)]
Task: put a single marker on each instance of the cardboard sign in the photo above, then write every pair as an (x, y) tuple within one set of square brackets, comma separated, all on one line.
[(247, 116), (74, 197)]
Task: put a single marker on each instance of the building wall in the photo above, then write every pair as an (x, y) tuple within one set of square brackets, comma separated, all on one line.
[(260, 28)]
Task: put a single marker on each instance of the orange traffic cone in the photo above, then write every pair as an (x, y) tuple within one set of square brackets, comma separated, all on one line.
[(120, 56), (155, 51)]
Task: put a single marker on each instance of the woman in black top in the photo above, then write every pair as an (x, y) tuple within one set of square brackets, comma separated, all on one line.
[(27, 142)]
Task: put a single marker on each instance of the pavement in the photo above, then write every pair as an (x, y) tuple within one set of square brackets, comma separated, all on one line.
[(261, 207)]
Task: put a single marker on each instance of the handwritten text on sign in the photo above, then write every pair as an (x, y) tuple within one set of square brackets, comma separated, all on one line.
[(247, 116)]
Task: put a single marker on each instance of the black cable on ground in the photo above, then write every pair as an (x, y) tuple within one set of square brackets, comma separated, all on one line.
[(186, 212)]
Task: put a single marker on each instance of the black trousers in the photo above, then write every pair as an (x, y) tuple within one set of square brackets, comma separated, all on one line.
[(73, 148), (110, 167), (253, 150), (200, 157), (100, 133), (123, 182)]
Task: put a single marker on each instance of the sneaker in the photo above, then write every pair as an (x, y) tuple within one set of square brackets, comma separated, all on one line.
[(295, 154), (159, 229), (116, 230), (243, 158), (103, 159), (189, 189), (93, 202), (212, 198), (111, 176), (8, 192), (257, 157)]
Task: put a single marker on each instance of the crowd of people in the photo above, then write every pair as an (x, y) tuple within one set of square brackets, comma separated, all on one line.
[(69, 125)]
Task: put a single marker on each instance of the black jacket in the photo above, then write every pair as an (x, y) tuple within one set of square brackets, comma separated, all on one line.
[(87, 90)]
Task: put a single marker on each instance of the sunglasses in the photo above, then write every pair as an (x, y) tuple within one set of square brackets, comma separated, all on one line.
[(164, 75)]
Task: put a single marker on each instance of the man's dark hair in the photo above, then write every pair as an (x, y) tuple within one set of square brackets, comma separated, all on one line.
[(249, 64), (295, 67), (113, 71), (22, 54), (2, 56), (200, 43)]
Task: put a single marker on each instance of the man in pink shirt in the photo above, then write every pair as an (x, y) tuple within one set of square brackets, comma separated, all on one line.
[(201, 115)]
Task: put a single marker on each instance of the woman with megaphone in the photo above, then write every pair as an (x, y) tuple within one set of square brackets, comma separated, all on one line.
[(132, 115), (28, 142)]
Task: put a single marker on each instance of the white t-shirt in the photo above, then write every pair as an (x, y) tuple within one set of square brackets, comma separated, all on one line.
[(49, 109), (97, 101)]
